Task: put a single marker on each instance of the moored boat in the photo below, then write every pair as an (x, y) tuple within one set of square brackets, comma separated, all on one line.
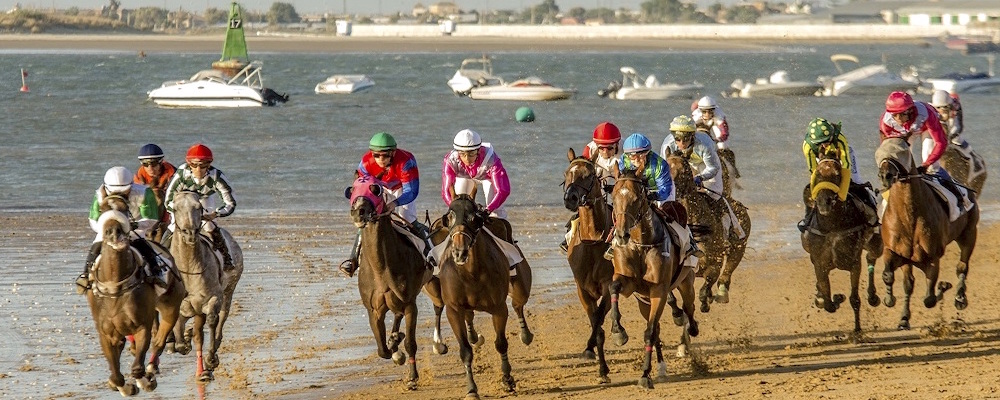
[(345, 84), (634, 87), (527, 89)]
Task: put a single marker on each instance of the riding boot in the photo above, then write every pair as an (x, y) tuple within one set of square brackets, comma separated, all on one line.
[(952, 186), (153, 271), (864, 199), (220, 245), (803, 225), (424, 233), (350, 265), (564, 246), (83, 281)]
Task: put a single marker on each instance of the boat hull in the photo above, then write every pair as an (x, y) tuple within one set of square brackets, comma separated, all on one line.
[(499, 92), (658, 93), (206, 94), (781, 89), (345, 84), (960, 86)]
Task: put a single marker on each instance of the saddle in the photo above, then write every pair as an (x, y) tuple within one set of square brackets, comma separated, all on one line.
[(949, 199)]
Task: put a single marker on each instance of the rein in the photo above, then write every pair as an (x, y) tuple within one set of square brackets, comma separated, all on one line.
[(645, 213), (585, 200), (115, 290)]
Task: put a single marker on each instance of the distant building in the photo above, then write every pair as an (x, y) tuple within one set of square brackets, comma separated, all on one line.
[(961, 12), (419, 10), (444, 8)]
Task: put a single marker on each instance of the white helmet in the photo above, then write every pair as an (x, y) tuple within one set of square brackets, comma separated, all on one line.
[(706, 103), (940, 99), (467, 139), (117, 180)]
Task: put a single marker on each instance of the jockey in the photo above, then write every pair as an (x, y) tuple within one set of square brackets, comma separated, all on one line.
[(909, 120), (950, 114), (823, 137), (603, 150), (700, 151), (471, 162), (155, 173), (142, 214), (397, 169), (198, 175), (709, 118)]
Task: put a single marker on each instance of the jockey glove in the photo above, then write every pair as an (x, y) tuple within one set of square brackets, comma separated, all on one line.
[(697, 181), (922, 169), (652, 196)]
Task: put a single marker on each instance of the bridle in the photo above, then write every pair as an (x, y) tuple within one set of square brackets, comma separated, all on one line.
[(116, 289), (644, 213), (585, 189)]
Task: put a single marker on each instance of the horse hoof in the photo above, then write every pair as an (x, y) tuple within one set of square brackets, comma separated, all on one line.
[(152, 370), (508, 384), (128, 390), (479, 341), (723, 296), (589, 355), (645, 383), (206, 376), (873, 300), (839, 298), (621, 338), (183, 350), (693, 329), (411, 385), (930, 301), (472, 396), (889, 301), (682, 351), (679, 320), (440, 348), (527, 337), (961, 303), (603, 380), (398, 358), (169, 348), (904, 325), (147, 385), (704, 308)]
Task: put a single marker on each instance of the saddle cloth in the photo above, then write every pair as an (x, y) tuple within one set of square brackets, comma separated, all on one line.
[(160, 273), (416, 240), (946, 195), (511, 250)]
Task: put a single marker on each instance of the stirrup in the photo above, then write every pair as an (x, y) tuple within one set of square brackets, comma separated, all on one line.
[(564, 248), (347, 268), (82, 284), (802, 226)]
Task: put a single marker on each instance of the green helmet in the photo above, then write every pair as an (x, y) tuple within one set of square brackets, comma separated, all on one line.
[(821, 131), (382, 141)]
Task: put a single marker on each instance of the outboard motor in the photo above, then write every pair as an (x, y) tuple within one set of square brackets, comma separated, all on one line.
[(272, 98), (611, 89)]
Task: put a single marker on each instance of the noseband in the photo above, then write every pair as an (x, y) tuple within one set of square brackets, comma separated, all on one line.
[(584, 201), (645, 208)]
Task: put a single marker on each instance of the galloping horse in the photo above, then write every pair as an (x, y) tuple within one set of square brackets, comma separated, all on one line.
[(210, 289), (965, 165), (123, 302), (475, 277), (642, 268), (916, 229), (592, 272), (392, 273), (835, 236), (722, 246)]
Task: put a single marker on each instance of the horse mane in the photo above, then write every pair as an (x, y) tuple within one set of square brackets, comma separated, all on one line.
[(895, 149), (114, 215)]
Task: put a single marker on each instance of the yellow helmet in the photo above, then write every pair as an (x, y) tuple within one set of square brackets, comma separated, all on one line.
[(682, 123)]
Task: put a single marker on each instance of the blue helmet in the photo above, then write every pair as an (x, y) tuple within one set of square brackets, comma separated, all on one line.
[(636, 142), (150, 151)]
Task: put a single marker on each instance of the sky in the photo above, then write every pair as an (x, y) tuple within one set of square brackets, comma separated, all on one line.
[(336, 6)]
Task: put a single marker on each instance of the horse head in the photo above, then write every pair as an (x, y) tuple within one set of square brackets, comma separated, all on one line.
[(187, 216), (367, 201), (114, 229), (630, 204), (895, 162), (464, 221), (682, 175), (581, 183), (826, 182)]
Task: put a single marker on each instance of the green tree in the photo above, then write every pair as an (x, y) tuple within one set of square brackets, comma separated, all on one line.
[(215, 16), (742, 14), (671, 11), (148, 18), (282, 13)]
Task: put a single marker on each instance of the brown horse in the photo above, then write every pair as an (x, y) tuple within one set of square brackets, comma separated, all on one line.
[(475, 277), (592, 272), (723, 248), (916, 229), (210, 289), (392, 272), (642, 268), (123, 302), (965, 165), (835, 237)]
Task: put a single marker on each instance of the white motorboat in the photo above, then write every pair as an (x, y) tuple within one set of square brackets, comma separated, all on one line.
[(233, 81), (527, 89), (345, 84), (867, 80), (473, 72), (778, 84), (634, 87), (971, 82)]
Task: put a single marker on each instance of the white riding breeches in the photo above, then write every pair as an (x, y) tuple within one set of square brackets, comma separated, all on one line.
[(466, 185), (406, 211)]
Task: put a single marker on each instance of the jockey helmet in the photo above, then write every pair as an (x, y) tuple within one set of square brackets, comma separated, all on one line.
[(199, 152), (821, 131), (117, 180), (682, 123), (607, 133), (898, 102), (382, 141), (636, 142), (150, 151), (707, 103), (467, 140), (940, 99)]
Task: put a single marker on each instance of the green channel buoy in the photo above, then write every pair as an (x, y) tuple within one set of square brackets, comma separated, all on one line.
[(524, 114)]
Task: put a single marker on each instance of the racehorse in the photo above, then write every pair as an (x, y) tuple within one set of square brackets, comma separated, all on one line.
[(641, 267), (475, 277), (592, 272), (837, 233), (916, 228), (722, 245), (210, 289), (392, 273), (965, 165), (124, 302)]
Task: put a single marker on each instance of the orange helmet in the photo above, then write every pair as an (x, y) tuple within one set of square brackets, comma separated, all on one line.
[(199, 152), (607, 133), (898, 102)]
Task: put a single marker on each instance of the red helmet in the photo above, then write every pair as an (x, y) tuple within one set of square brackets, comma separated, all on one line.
[(199, 152), (898, 102), (607, 133)]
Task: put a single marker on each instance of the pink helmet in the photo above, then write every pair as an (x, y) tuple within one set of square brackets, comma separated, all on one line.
[(898, 102), (607, 133)]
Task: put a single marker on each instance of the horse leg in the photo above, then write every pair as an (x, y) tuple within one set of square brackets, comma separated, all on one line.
[(411, 345), (501, 345), (470, 324), (904, 320), (142, 339), (519, 293), (212, 321), (856, 297), (931, 271), (686, 288), (112, 353), (891, 262), (376, 320), (168, 307), (395, 338), (457, 320), (823, 297), (202, 373), (675, 311), (181, 345), (617, 330), (733, 257), (597, 333), (651, 335), (966, 242), (433, 290), (713, 265)]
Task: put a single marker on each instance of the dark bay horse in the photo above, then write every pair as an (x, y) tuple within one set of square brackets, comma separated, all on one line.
[(591, 271), (392, 271), (123, 302), (965, 165), (641, 267), (210, 289), (475, 277), (916, 229), (835, 237), (723, 248)]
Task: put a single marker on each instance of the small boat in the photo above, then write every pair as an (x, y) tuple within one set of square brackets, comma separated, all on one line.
[(345, 84), (527, 89), (867, 80), (472, 73), (634, 87), (778, 84), (233, 81), (970, 82)]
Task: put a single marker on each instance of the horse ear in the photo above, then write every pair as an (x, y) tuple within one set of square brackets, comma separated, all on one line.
[(475, 188), (376, 189), (571, 154), (348, 192)]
